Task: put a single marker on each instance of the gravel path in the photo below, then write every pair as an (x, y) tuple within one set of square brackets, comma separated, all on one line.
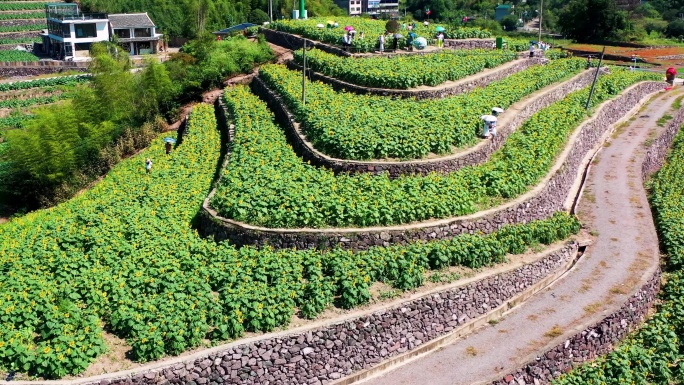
[(625, 251)]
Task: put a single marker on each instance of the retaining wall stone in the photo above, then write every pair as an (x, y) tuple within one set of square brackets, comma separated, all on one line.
[(548, 200), (469, 43), (443, 165), (332, 351), (657, 151), (459, 88), (591, 342)]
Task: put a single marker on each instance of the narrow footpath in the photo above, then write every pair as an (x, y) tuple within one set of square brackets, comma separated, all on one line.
[(624, 254)]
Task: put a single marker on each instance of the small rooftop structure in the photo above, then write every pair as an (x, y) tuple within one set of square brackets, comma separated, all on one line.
[(233, 29), (501, 11), (130, 20)]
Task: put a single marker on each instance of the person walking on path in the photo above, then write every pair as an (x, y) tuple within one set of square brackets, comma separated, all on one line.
[(381, 40), (531, 50), (440, 40), (148, 165)]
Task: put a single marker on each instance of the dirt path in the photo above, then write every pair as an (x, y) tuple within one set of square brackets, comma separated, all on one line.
[(624, 253)]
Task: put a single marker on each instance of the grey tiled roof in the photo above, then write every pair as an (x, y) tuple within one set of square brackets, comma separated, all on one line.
[(130, 20)]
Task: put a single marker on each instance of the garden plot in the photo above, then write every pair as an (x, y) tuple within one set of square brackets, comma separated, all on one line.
[(18, 99), (266, 183), (404, 71), (124, 255), (371, 29), (360, 127)]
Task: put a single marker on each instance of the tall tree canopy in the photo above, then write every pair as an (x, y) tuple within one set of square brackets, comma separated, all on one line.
[(586, 20), (191, 18)]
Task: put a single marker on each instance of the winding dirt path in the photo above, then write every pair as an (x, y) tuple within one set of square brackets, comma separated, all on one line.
[(624, 254)]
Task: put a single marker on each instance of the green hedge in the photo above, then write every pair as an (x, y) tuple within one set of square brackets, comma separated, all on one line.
[(404, 71)]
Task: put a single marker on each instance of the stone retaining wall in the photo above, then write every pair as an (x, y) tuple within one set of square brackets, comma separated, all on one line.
[(657, 151), (459, 88), (547, 198), (476, 155), (591, 342), (329, 352), (469, 43)]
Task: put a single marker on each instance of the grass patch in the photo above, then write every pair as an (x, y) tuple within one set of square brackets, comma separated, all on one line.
[(664, 119), (554, 332)]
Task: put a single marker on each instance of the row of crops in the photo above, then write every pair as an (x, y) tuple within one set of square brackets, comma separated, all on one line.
[(371, 29), (351, 126), (22, 28), (404, 72), (266, 183), (124, 253), (654, 354), (21, 6), (16, 56), (37, 92), (22, 15)]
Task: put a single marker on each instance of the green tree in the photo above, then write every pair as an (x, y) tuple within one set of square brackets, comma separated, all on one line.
[(45, 148), (156, 91), (509, 23), (258, 17), (675, 28), (587, 20)]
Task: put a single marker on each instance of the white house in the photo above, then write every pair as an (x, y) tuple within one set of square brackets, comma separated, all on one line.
[(70, 32), (135, 32)]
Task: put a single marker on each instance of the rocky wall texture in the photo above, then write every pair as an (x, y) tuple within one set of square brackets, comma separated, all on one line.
[(469, 43), (592, 342), (548, 199), (329, 352), (657, 151), (460, 87), (295, 42), (33, 71), (447, 164)]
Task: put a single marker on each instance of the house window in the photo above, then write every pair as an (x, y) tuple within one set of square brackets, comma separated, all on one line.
[(143, 32), (123, 33), (86, 30), (83, 46)]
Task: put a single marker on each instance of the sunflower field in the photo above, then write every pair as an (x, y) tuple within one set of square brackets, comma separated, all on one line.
[(351, 126), (404, 71), (654, 354), (370, 28), (123, 256), (267, 184)]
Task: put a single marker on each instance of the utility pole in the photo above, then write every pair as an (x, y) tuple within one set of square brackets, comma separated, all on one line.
[(593, 85), (304, 75), (270, 10), (541, 18)]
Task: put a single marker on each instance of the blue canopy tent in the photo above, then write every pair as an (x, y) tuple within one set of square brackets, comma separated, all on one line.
[(231, 30)]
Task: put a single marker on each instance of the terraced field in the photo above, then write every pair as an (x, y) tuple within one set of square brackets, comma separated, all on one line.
[(124, 260), (18, 99), (375, 127), (20, 23)]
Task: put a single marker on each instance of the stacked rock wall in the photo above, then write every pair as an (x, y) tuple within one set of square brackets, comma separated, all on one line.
[(657, 151), (591, 342)]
